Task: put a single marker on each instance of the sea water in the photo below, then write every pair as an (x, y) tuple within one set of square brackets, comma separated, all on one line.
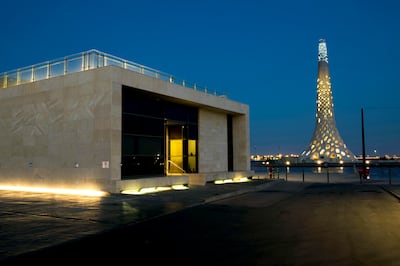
[(380, 174)]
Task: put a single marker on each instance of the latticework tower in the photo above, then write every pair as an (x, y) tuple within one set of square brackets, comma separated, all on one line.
[(326, 144)]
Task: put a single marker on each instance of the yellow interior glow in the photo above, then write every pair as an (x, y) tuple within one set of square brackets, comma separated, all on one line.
[(82, 192), (176, 153)]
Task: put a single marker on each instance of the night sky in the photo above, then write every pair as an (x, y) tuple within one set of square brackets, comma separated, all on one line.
[(262, 53)]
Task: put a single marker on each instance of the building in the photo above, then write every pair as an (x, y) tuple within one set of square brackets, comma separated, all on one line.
[(326, 144), (96, 121)]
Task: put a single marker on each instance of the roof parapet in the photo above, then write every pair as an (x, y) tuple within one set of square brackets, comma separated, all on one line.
[(83, 61)]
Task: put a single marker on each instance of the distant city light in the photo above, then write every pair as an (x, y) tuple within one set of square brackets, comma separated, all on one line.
[(271, 157)]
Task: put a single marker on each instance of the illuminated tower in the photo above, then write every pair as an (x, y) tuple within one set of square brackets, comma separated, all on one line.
[(326, 144)]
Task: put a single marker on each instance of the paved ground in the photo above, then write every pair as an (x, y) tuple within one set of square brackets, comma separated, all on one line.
[(31, 221)]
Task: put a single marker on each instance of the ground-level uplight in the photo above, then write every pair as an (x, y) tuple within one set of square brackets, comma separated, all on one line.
[(148, 190), (82, 192), (230, 180)]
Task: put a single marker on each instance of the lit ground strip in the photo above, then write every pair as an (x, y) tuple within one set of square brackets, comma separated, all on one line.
[(82, 192), (235, 180), (148, 190), (179, 187)]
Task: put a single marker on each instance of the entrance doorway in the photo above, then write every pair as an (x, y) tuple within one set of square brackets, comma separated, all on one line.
[(181, 150)]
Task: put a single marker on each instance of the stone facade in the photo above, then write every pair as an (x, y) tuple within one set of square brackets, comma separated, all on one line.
[(66, 131)]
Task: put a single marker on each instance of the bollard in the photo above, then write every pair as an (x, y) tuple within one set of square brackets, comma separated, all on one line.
[(286, 173), (327, 174), (303, 173), (390, 176)]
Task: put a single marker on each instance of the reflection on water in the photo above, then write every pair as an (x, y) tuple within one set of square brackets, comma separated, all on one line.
[(320, 170), (297, 170), (378, 173)]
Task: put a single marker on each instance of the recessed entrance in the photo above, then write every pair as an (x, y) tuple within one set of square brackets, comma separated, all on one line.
[(181, 151), (159, 137)]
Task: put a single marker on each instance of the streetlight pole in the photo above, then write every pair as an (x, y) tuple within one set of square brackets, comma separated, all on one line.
[(364, 168)]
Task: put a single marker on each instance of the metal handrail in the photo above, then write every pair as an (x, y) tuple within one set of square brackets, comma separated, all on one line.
[(83, 61), (177, 166)]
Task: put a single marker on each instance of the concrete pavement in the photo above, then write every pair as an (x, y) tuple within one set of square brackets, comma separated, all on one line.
[(34, 221)]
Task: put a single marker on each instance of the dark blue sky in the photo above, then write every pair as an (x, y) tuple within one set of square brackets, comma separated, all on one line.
[(262, 53)]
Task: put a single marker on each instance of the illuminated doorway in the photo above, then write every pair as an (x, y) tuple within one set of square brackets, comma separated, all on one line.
[(181, 150)]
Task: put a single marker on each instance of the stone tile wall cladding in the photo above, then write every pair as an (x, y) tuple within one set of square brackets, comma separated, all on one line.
[(66, 131)]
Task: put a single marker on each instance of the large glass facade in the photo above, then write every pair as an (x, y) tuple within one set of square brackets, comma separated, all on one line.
[(159, 136)]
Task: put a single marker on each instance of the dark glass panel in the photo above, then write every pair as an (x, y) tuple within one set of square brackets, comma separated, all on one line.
[(138, 102), (175, 112), (192, 132), (128, 144), (140, 125), (142, 155), (140, 166), (192, 115), (142, 145), (149, 146)]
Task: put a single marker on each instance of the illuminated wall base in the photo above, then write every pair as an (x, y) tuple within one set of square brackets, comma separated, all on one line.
[(64, 191)]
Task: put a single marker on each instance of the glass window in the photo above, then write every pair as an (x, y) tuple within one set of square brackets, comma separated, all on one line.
[(140, 125), (144, 117)]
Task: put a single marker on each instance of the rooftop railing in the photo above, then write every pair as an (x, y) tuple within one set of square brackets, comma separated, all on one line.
[(85, 61)]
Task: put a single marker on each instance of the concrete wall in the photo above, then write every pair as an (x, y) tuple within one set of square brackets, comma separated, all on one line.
[(241, 142), (213, 142), (57, 131)]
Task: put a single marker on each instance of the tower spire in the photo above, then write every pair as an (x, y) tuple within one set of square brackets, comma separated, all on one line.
[(326, 144)]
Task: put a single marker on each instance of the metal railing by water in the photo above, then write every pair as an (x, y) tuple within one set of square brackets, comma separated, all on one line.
[(85, 61)]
